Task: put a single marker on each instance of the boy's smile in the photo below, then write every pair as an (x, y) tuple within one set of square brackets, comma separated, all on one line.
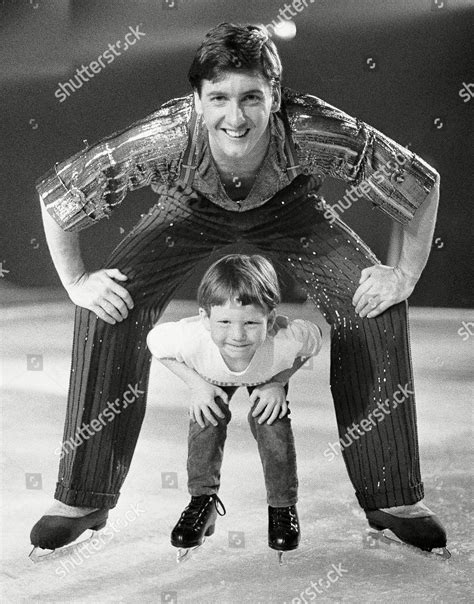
[(237, 331)]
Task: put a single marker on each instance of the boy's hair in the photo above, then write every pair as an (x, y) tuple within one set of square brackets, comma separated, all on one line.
[(240, 278), (230, 47)]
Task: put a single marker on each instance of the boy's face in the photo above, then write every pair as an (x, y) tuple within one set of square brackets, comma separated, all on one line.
[(236, 111), (238, 331)]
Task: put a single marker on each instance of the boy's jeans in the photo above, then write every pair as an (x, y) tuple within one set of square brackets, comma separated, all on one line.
[(276, 447)]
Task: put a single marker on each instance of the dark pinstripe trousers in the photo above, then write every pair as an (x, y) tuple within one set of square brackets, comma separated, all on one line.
[(370, 358)]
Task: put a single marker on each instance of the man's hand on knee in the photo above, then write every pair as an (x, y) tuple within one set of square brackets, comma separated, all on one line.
[(379, 288), (100, 293)]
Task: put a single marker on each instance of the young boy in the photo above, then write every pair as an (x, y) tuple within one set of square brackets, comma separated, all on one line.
[(237, 340)]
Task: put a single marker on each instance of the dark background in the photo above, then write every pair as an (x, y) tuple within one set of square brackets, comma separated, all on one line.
[(421, 50)]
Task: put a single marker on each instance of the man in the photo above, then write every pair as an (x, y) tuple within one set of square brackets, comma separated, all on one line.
[(241, 160)]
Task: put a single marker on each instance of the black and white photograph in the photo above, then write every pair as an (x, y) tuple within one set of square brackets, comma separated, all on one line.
[(236, 301)]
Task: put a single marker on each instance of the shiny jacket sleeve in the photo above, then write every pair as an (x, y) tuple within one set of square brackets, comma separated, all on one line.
[(330, 142), (83, 189)]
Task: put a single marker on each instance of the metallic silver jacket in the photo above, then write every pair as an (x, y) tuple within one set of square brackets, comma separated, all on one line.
[(85, 188)]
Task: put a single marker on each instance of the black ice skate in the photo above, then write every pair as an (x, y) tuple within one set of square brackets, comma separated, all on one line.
[(54, 532), (283, 529), (422, 533), (195, 524)]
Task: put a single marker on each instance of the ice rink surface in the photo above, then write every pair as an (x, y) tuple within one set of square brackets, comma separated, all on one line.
[(133, 561)]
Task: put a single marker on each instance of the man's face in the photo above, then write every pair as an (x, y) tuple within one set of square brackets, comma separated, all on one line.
[(236, 110), (237, 330)]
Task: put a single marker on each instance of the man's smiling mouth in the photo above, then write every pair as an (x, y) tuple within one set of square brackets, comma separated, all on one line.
[(236, 134)]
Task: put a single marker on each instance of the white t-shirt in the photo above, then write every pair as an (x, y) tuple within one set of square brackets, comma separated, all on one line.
[(189, 342)]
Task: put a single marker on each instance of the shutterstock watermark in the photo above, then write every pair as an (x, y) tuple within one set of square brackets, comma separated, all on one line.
[(297, 5), (465, 331), (467, 92), (380, 413), (96, 425), (333, 212), (89, 548), (86, 72), (319, 587)]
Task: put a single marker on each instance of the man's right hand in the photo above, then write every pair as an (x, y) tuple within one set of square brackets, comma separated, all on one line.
[(100, 293)]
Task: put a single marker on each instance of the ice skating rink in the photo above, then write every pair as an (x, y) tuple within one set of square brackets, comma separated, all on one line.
[(134, 561)]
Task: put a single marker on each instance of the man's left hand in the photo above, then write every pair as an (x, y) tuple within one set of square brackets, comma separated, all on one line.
[(379, 288)]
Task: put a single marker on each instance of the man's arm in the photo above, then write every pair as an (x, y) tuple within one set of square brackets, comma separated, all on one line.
[(394, 179), (97, 291), (78, 192), (415, 238), (382, 286), (85, 188)]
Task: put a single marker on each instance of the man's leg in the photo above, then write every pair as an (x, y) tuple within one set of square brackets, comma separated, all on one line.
[(111, 363), (371, 373)]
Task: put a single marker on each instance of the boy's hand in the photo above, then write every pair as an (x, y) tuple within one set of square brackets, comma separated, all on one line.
[(271, 404), (204, 405)]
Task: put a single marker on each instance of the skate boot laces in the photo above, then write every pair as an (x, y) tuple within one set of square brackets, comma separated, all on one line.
[(285, 518), (198, 509)]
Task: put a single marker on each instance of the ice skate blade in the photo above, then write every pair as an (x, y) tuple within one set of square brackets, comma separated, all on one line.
[(386, 537), (38, 554), (282, 557), (184, 555)]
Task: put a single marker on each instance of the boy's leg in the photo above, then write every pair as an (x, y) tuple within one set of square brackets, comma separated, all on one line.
[(276, 446), (371, 373), (110, 366), (206, 450)]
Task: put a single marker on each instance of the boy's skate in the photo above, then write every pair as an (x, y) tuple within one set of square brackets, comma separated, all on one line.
[(416, 527), (283, 529), (195, 524), (53, 532)]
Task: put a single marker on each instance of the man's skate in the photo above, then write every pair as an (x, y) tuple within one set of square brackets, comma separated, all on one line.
[(419, 530), (52, 533), (195, 524), (283, 530)]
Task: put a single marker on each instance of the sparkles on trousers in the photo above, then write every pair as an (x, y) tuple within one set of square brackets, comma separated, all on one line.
[(370, 358)]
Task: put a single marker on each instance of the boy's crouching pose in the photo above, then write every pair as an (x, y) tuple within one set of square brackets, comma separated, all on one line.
[(237, 340)]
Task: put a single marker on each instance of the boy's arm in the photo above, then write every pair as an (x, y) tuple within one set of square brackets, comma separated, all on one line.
[(271, 397), (190, 377), (203, 404), (284, 376)]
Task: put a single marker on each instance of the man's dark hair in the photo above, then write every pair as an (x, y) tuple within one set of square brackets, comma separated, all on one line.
[(231, 47)]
